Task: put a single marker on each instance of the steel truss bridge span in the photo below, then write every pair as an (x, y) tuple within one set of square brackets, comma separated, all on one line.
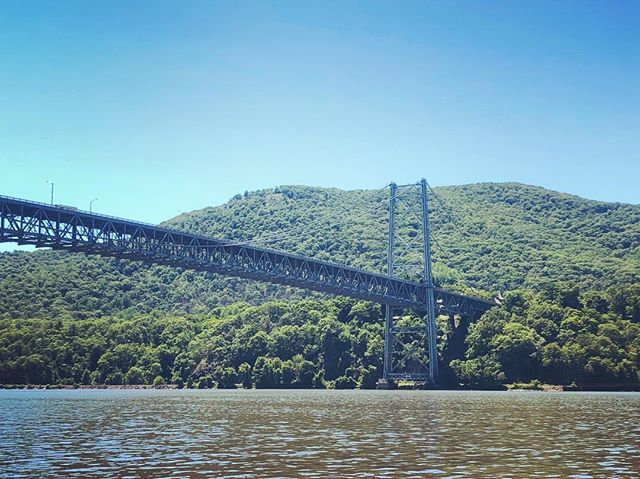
[(64, 228)]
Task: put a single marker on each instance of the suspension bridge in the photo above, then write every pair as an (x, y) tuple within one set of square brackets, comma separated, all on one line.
[(66, 228)]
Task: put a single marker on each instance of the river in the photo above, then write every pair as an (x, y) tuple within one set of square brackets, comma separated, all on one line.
[(311, 434)]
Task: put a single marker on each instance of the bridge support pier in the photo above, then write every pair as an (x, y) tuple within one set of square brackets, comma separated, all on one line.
[(410, 350), (386, 382)]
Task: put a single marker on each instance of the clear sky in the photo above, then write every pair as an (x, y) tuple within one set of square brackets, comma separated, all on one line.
[(159, 107)]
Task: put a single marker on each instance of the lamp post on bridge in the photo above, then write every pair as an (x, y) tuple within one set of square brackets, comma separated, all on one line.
[(91, 204), (52, 185)]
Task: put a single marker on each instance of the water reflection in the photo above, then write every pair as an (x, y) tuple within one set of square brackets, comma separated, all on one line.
[(311, 434)]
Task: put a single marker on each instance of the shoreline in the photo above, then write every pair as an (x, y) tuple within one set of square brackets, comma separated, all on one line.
[(91, 386), (557, 388)]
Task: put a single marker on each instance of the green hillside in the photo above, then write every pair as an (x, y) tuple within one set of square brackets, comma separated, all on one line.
[(569, 269), (506, 236)]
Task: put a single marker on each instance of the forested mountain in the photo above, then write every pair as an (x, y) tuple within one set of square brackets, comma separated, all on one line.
[(505, 236), (572, 266)]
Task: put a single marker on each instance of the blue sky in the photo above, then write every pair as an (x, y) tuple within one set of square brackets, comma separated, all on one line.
[(162, 107)]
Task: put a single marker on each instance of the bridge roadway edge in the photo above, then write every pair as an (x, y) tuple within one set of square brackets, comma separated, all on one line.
[(42, 225)]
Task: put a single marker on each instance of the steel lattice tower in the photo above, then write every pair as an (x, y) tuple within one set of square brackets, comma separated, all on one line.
[(410, 342)]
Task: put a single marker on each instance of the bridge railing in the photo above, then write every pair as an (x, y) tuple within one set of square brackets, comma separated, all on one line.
[(217, 241)]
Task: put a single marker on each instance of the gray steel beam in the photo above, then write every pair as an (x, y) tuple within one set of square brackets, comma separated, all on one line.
[(43, 225), (428, 279), (388, 335)]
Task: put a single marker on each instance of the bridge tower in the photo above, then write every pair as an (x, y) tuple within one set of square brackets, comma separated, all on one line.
[(410, 351)]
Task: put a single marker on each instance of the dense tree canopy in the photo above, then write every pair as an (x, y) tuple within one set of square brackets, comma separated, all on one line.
[(330, 343), (557, 335), (299, 344)]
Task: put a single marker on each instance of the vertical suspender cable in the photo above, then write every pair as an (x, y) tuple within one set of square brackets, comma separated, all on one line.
[(428, 280), (388, 337)]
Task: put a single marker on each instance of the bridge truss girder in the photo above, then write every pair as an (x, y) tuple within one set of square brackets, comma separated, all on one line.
[(43, 225)]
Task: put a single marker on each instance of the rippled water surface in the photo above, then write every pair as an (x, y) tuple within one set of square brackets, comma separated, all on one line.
[(307, 434)]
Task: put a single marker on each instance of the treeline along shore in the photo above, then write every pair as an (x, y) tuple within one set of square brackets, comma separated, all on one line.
[(557, 336)]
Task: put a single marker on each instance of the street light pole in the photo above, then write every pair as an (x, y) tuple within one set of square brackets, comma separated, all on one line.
[(91, 205), (52, 184)]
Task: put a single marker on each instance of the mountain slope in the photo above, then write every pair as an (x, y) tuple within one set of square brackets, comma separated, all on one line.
[(506, 236)]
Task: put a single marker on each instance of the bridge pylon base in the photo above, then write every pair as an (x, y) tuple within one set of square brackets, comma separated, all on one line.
[(408, 350)]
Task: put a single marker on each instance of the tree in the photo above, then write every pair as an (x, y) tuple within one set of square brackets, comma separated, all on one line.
[(484, 372), (267, 373), (625, 301), (304, 372), (336, 344), (284, 342), (319, 381), (135, 375), (345, 382), (115, 377), (226, 378), (555, 367), (244, 374), (365, 312), (369, 377), (481, 334), (518, 350), (205, 382), (86, 377)]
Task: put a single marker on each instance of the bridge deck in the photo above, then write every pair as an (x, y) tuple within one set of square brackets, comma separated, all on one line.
[(42, 225)]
